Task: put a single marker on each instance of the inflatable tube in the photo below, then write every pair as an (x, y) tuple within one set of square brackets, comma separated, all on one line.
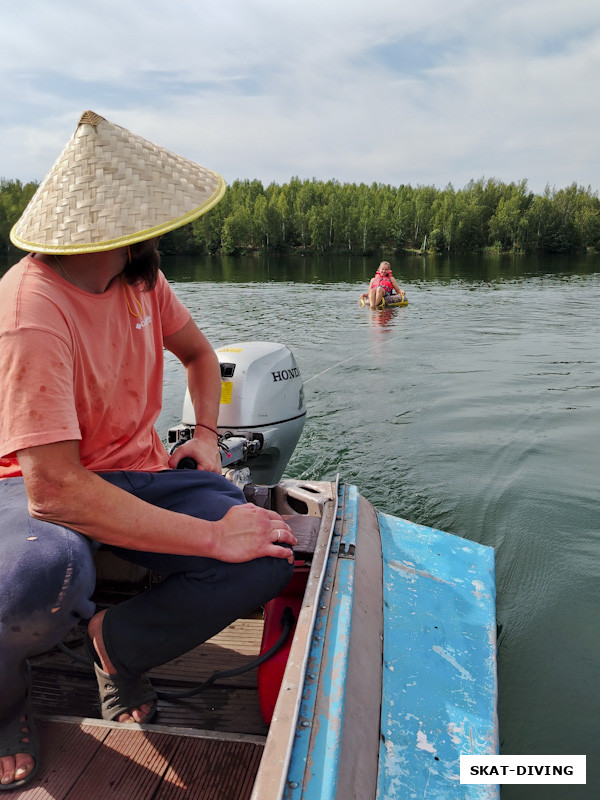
[(389, 301)]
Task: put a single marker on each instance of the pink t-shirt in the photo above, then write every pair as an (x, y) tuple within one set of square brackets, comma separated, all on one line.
[(76, 365)]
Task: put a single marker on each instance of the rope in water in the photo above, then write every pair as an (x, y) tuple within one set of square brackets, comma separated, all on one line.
[(333, 366)]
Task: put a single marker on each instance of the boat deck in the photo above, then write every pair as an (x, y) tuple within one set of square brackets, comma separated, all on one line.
[(91, 760), (64, 687), (207, 746)]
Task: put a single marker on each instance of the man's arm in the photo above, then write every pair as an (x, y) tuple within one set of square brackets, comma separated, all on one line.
[(203, 372), (62, 491)]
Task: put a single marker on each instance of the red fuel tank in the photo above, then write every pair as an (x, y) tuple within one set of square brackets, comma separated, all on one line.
[(270, 673)]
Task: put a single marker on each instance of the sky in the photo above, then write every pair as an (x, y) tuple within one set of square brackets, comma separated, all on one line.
[(434, 92)]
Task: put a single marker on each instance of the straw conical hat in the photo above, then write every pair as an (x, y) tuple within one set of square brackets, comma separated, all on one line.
[(110, 188)]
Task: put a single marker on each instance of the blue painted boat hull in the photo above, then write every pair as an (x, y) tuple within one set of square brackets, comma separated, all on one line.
[(439, 668), (400, 674)]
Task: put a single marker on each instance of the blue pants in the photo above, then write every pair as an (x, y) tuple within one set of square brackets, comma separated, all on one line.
[(47, 579)]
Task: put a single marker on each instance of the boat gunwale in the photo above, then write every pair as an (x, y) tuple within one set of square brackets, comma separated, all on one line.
[(273, 769)]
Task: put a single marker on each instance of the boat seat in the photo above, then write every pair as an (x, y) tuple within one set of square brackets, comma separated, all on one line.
[(306, 530)]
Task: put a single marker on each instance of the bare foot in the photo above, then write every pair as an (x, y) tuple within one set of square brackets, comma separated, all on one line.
[(15, 768), (95, 632)]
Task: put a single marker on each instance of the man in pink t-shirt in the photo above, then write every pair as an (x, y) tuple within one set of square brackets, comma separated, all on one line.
[(84, 319)]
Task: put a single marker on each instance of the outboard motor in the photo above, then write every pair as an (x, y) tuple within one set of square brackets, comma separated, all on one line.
[(261, 415)]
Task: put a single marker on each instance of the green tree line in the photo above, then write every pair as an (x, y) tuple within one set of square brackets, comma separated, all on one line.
[(361, 219), (14, 196)]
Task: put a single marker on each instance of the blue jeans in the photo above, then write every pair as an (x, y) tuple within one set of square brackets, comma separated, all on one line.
[(48, 578)]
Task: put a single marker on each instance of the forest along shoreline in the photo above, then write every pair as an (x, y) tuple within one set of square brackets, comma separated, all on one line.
[(358, 219)]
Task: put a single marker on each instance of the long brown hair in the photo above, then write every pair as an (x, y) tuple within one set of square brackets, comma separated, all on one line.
[(143, 264)]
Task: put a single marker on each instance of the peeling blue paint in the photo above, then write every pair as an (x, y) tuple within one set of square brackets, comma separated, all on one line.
[(439, 674), (439, 664)]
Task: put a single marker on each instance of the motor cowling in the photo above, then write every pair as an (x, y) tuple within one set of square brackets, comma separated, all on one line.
[(262, 403)]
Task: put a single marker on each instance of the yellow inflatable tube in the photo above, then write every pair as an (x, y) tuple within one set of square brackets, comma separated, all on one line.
[(389, 301)]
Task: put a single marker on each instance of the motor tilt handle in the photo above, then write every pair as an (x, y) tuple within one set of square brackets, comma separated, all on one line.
[(187, 463)]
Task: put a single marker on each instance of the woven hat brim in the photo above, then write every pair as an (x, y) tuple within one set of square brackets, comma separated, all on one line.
[(112, 244), (110, 188)]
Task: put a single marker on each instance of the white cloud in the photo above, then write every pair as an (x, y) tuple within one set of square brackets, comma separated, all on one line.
[(361, 90)]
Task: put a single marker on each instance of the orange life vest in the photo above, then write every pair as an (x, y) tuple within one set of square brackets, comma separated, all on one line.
[(383, 281)]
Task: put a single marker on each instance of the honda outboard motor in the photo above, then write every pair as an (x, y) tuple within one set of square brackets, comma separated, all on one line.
[(261, 415)]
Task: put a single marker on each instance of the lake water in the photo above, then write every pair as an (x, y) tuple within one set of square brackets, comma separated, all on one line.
[(476, 410)]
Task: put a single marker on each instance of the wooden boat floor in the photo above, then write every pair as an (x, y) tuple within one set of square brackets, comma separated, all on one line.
[(89, 761), (206, 746)]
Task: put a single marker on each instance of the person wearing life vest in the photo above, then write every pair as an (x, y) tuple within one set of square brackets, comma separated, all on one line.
[(382, 284)]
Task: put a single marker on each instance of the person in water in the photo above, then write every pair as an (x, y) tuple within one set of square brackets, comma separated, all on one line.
[(84, 318), (382, 285)]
